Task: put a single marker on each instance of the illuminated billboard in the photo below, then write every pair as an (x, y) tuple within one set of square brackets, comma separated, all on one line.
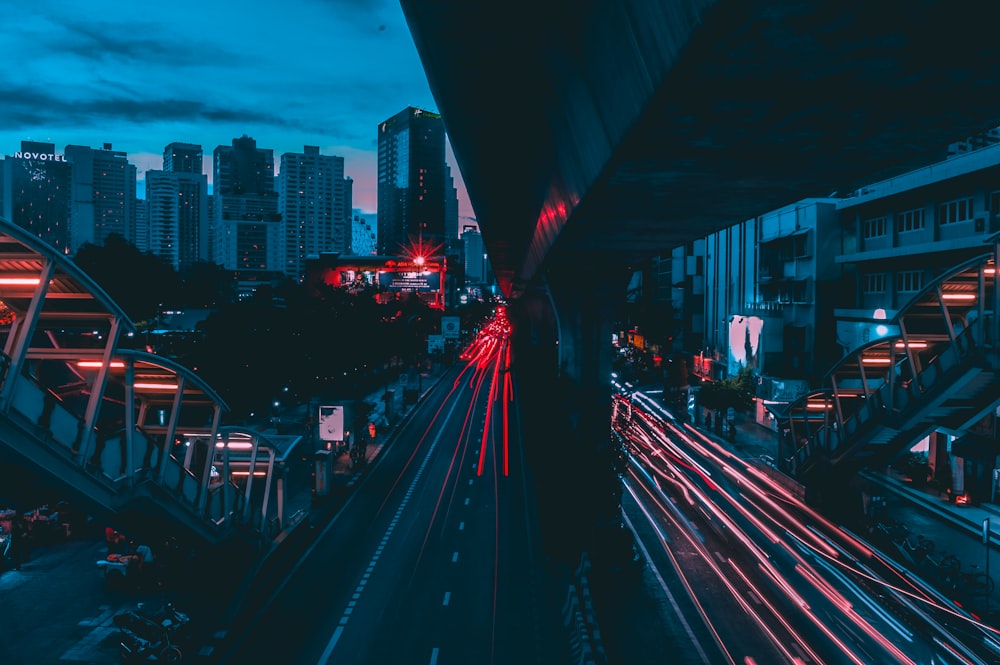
[(744, 342), (410, 281), (388, 277), (331, 423)]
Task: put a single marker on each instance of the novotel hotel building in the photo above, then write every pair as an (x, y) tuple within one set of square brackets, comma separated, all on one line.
[(35, 192)]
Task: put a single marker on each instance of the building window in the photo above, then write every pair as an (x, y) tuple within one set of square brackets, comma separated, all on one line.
[(911, 220), (874, 282), (995, 202), (909, 281), (959, 210), (874, 228)]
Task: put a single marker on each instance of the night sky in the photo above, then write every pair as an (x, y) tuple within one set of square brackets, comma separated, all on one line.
[(140, 75)]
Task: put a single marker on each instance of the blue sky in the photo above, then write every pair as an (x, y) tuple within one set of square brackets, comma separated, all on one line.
[(140, 75)]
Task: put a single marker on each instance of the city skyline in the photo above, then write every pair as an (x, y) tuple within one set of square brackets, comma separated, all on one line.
[(300, 73)]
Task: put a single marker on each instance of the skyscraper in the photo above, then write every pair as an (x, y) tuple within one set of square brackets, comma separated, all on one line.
[(183, 158), (475, 256), (247, 231), (177, 199), (177, 217), (412, 184), (314, 199), (35, 192), (102, 195), (450, 206)]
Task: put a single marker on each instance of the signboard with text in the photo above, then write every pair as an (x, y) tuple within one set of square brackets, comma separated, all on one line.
[(410, 281)]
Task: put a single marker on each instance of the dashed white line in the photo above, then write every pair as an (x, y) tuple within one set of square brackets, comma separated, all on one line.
[(434, 656), (454, 557), (461, 526), (447, 598)]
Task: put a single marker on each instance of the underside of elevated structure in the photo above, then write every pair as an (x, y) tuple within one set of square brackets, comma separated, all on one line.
[(613, 130), (594, 135)]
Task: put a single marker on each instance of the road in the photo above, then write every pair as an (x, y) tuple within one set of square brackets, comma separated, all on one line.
[(430, 561), (817, 592)]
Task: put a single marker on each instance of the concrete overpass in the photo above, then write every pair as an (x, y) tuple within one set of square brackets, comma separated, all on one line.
[(592, 135)]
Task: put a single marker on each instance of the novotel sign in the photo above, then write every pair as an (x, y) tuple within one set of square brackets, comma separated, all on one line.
[(41, 156)]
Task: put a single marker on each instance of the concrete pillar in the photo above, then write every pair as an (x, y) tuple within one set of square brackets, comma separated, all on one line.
[(562, 358)]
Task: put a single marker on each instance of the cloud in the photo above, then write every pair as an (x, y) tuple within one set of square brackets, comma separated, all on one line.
[(44, 106), (135, 42)]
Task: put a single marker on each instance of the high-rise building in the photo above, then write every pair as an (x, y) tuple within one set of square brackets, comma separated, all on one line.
[(178, 217), (102, 195), (475, 256), (161, 201), (450, 206), (247, 231), (314, 199), (35, 191), (183, 158), (177, 198), (141, 240), (412, 184)]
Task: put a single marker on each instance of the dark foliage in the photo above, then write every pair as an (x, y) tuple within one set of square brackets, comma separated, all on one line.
[(140, 283)]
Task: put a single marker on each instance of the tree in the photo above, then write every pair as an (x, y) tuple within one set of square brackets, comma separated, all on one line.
[(140, 283), (207, 284), (736, 392)]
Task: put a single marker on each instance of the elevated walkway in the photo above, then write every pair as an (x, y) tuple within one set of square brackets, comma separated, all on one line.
[(934, 365), (135, 437)]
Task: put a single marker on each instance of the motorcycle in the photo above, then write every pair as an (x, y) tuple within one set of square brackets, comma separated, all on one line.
[(152, 633)]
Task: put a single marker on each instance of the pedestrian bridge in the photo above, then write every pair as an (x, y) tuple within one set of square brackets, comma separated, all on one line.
[(933, 365), (135, 437)]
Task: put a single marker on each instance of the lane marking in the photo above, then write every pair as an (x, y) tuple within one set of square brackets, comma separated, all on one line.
[(434, 656), (454, 557), (447, 598), (461, 526), (331, 645)]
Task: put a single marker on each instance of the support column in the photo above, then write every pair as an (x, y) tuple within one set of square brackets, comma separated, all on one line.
[(562, 360)]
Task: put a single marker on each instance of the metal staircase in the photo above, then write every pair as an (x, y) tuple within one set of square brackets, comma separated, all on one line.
[(136, 437), (934, 366)]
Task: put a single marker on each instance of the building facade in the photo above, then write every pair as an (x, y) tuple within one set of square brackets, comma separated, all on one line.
[(35, 190), (183, 158), (247, 225), (412, 182), (103, 195), (899, 234), (314, 199)]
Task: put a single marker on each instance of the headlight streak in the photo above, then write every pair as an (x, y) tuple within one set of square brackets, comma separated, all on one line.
[(497, 360), (773, 495), (737, 595), (677, 569), (860, 594), (909, 598), (773, 512), (678, 515), (776, 612), (771, 572)]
